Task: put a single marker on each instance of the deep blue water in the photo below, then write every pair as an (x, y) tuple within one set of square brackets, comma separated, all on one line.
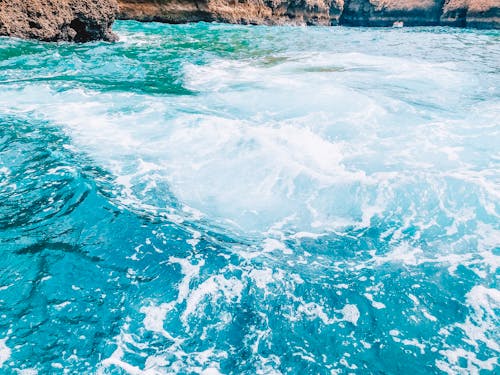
[(205, 199)]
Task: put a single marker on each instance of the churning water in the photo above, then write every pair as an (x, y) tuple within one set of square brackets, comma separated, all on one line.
[(251, 200)]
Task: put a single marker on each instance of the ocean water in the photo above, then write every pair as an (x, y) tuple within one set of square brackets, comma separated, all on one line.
[(214, 199)]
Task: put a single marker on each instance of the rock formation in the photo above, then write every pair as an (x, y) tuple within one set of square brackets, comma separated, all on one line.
[(471, 13), (270, 12), (386, 12), (58, 20), (474, 13)]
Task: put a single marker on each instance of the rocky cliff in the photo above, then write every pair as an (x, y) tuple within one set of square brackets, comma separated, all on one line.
[(474, 13), (386, 12), (58, 20), (270, 12)]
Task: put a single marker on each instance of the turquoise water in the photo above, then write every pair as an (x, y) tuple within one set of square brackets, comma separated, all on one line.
[(205, 199)]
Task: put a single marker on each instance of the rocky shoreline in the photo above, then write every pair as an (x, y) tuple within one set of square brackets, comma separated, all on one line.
[(58, 20), (86, 20), (459, 13)]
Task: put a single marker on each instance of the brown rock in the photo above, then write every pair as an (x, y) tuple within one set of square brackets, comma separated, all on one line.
[(174, 11), (270, 12), (473, 13), (58, 20), (309, 12)]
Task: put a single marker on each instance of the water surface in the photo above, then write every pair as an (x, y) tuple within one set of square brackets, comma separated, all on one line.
[(251, 200)]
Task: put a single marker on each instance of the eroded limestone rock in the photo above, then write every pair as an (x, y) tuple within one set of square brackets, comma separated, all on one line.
[(475, 13), (269, 12), (58, 20), (472, 13)]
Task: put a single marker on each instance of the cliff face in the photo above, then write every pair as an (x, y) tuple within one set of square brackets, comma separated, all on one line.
[(58, 20), (271, 12), (386, 12), (475, 13)]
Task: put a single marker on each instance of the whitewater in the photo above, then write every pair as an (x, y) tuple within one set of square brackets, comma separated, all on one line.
[(221, 199)]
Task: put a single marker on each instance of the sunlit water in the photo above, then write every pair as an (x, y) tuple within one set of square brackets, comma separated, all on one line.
[(251, 200)]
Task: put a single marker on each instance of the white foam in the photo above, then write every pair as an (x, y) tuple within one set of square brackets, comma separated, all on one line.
[(350, 313), (315, 311), (394, 332), (479, 327), (263, 277), (211, 371), (61, 305), (213, 288), (27, 371), (452, 364), (190, 271), (155, 316), (271, 244), (172, 360), (116, 360), (482, 323), (416, 343), (295, 136), (5, 351), (403, 253), (375, 304)]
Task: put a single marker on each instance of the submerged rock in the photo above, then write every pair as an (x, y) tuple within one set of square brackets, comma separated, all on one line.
[(58, 20)]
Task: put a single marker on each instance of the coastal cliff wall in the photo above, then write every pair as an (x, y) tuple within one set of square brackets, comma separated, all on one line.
[(461, 13), (269, 12), (472, 13), (58, 20), (386, 12)]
